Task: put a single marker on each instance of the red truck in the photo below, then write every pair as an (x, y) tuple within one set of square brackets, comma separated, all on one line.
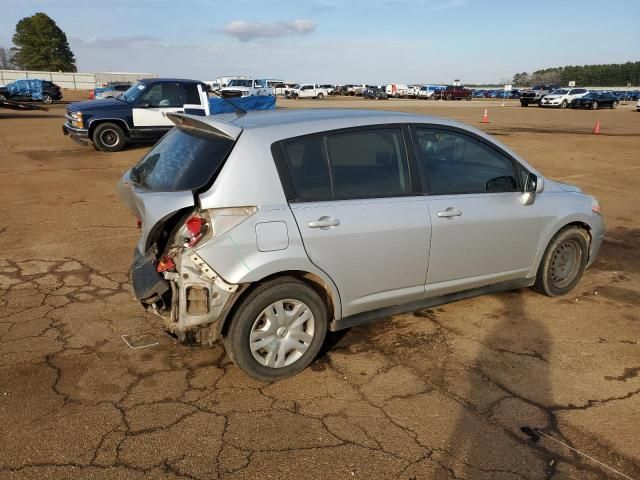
[(453, 92)]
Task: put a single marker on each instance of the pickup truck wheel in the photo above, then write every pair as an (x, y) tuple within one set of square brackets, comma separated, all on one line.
[(277, 330), (320, 95), (109, 137), (449, 97), (48, 99), (563, 262)]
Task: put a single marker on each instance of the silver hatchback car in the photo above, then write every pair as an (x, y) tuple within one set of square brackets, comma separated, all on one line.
[(270, 228)]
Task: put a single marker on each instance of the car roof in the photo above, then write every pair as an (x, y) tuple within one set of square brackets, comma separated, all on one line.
[(168, 79)]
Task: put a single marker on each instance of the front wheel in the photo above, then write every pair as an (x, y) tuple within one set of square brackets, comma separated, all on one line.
[(278, 330), (109, 137), (614, 105), (594, 106), (48, 99), (563, 104), (563, 263)]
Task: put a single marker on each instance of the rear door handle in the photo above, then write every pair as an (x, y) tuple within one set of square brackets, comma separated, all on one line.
[(324, 223), (450, 212)]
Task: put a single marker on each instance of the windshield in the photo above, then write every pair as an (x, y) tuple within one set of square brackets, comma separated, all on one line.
[(134, 92), (560, 91), (296, 86), (240, 83), (182, 160)]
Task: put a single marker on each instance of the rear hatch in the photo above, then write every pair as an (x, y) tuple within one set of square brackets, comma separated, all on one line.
[(168, 179)]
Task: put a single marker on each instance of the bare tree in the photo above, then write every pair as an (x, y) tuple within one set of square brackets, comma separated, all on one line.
[(7, 61)]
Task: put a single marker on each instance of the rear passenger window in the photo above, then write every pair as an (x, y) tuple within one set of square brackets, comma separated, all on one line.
[(454, 163), (309, 169), (192, 97), (369, 163)]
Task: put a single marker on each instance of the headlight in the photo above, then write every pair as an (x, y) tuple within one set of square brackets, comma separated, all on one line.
[(77, 120)]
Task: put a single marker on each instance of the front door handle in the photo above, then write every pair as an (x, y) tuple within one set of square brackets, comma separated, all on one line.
[(324, 223), (450, 212)]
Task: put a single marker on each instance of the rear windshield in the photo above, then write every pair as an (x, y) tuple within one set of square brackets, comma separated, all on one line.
[(182, 160)]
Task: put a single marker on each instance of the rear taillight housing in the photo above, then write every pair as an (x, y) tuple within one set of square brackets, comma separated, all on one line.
[(204, 225)]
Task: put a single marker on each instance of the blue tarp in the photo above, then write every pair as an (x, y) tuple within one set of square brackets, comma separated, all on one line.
[(26, 88), (219, 105)]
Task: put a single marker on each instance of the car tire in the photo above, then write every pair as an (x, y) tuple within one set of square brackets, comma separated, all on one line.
[(278, 354), (594, 106), (614, 105), (2, 97), (109, 137), (563, 104), (320, 96), (563, 262), (48, 99), (468, 98)]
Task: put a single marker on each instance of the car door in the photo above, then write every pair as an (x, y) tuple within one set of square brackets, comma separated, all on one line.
[(362, 217), (482, 233), (194, 97), (159, 99)]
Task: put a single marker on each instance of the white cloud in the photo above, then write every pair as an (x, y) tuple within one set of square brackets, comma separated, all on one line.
[(127, 41), (246, 31)]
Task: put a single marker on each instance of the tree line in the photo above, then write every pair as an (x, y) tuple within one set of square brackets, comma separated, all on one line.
[(609, 75)]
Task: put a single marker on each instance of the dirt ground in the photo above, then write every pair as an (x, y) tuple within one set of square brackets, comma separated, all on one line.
[(439, 394)]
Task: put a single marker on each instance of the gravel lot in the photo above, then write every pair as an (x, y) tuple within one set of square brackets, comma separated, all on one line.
[(438, 394)]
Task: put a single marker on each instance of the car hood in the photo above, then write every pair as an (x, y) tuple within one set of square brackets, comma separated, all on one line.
[(106, 103)]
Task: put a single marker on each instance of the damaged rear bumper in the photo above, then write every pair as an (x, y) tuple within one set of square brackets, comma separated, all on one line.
[(193, 300)]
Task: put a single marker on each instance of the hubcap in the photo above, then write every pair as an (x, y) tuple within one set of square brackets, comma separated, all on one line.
[(109, 138), (565, 263), (282, 333)]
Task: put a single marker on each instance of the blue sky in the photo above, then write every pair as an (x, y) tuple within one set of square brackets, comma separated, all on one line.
[(333, 41)]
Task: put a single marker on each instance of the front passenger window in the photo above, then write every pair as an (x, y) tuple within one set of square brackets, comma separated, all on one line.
[(454, 163), (163, 95)]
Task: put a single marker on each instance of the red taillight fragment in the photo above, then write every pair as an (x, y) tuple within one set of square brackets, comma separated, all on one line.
[(138, 223), (194, 225), (166, 263)]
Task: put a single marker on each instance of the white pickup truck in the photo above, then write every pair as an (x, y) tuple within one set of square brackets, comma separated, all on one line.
[(308, 90), (245, 87)]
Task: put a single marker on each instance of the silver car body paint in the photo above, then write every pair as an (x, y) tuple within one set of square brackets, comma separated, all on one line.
[(385, 251)]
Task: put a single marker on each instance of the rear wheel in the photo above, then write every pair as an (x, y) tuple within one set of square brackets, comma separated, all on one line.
[(614, 105), (320, 95), (563, 263), (594, 106), (48, 99), (277, 330), (109, 137)]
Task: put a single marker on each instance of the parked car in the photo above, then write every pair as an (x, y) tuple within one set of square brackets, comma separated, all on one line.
[(31, 90), (242, 87), (274, 228), (454, 92), (397, 90), (562, 97), (429, 92), (110, 91), (329, 88), (595, 100), (139, 114), (535, 94), (412, 91), (638, 106), (308, 90), (375, 93)]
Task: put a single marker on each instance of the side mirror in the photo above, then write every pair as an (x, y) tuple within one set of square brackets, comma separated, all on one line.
[(532, 186)]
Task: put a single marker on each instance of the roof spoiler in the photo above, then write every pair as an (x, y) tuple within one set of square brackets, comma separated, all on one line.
[(212, 126)]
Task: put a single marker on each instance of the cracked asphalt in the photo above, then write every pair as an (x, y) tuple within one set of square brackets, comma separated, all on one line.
[(440, 394)]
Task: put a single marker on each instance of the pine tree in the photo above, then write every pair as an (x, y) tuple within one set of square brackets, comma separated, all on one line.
[(41, 45)]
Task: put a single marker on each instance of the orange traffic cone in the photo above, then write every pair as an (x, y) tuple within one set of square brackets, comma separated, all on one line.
[(596, 129), (485, 117)]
